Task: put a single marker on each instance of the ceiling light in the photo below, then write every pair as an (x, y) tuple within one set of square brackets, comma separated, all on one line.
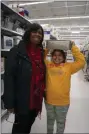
[(69, 28), (73, 35), (81, 28), (75, 31), (44, 25), (65, 26), (34, 3), (60, 18), (66, 31)]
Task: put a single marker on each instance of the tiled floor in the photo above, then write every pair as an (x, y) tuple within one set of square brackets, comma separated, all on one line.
[(78, 115)]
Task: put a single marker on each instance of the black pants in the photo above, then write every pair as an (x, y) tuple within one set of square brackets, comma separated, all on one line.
[(23, 123)]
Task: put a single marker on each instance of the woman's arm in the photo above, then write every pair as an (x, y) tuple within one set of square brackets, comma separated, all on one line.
[(9, 79), (79, 59)]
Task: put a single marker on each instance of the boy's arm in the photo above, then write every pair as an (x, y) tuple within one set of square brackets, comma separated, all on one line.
[(79, 59)]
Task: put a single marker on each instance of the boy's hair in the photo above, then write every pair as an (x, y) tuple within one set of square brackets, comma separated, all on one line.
[(61, 51), (33, 27)]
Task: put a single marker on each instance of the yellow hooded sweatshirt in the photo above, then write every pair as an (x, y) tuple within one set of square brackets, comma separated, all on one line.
[(58, 78)]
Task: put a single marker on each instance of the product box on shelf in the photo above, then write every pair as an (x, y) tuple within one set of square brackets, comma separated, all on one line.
[(20, 30), (16, 25), (7, 42), (8, 23), (16, 40)]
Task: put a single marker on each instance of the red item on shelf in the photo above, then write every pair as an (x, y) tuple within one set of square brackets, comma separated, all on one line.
[(21, 13)]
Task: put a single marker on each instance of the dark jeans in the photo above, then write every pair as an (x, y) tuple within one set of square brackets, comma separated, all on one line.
[(23, 123)]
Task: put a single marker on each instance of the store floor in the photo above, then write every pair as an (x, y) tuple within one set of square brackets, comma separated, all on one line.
[(78, 115)]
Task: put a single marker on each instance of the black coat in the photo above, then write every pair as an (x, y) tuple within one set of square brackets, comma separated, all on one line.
[(17, 79)]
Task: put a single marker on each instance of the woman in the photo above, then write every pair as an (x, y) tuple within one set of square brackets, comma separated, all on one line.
[(58, 82), (25, 79)]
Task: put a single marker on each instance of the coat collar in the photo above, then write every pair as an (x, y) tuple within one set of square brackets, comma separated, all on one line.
[(22, 48)]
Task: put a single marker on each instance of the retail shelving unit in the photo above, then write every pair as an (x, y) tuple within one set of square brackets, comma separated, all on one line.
[(4, 52), (17, 16), (10, 33), (86, 68)]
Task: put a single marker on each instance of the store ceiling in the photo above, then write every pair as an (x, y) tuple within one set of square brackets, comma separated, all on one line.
[(61, 9)]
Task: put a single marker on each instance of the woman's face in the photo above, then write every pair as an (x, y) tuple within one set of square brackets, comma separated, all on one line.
[(57, 58), (36, 37)]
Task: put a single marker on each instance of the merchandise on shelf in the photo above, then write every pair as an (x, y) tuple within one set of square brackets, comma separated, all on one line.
[(16, 40), (16, 25), (85, 51), (20, 30), (7, 42)]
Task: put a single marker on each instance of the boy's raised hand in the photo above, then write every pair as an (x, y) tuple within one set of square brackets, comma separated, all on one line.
[(72, 43)]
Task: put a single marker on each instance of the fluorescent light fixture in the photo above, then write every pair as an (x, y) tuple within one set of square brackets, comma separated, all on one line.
[(66, 31), (73, 35), (69, 26), (69, 29), (35, 3), (81, 28), (44, 25), (75, 31), (59, 18)]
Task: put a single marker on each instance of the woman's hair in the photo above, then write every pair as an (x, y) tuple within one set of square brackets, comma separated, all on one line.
[(61, 51), (33, 27)]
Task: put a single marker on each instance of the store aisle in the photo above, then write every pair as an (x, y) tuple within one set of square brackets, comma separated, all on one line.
[(78, 115)]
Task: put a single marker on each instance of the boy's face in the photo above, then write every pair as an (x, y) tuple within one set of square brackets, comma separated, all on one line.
[(57, 58)]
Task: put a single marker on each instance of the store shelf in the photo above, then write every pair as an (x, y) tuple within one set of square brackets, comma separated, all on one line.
[(8, 32), (4, 52), (3, 112), (17, 16)]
